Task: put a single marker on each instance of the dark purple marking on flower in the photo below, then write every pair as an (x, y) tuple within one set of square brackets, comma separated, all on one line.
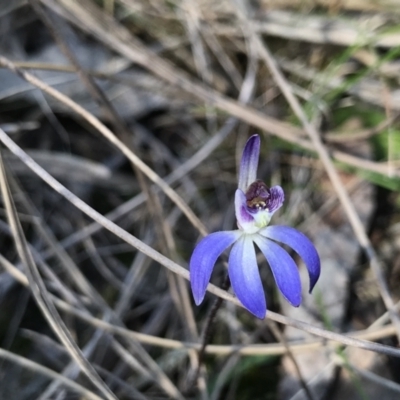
[(257, 195), (260, 197)]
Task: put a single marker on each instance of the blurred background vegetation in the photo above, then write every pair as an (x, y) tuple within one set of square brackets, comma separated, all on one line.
[(182, 84)]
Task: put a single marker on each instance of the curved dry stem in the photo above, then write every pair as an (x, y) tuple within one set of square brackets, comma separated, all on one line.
[(91, 19), (323, 154), (174, 267), (41, 295), (49, 373), (101, 128), (371, 334), (147, 367)]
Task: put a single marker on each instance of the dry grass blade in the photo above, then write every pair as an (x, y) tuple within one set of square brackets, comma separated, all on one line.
[(100, 127), (373, 333), (178, 173), (40, 293), (174, 267), (91, 19), (370, 376), (318, 29), (37, 368), (146, 367), (279, 335), (88, 88), (323, 154)]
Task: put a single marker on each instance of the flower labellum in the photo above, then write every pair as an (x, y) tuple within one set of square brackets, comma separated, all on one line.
[(255, 203)]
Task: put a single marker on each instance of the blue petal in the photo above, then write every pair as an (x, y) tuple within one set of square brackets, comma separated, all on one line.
[(249, 163), (203, 260), (245, 278), (300, 244), (283, 268)]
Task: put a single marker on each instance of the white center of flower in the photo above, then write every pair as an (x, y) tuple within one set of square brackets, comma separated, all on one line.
[(261, 219)]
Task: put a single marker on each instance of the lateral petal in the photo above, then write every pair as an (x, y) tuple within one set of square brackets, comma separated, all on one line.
[(249, 162), (300, 244), (276, 200), (244, 218), (245, 277), (283, 268), (204, 258)]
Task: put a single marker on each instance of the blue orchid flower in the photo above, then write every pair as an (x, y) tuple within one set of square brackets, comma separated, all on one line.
[(255, 204)]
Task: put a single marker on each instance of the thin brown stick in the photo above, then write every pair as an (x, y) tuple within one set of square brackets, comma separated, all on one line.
[(41, 295), (112, 138), (40, 369), (206, 334), (372, 333), (91, 19), (174, 267), (99, 96), (279, 335)]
